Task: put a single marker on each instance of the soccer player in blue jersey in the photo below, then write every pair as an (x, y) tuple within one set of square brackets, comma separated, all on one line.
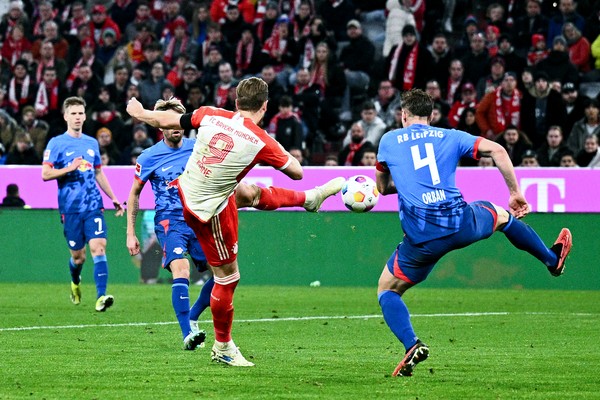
[(163, 163), (73, 159), (418, 162)]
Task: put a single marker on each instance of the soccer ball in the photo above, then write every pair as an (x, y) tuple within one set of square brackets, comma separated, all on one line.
[(360, 193)]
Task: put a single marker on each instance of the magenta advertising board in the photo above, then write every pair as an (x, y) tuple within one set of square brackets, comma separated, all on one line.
[(571, 190)]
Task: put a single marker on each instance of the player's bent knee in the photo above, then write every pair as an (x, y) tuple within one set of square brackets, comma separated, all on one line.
[(180, 268), (247, 195), (502, 218)]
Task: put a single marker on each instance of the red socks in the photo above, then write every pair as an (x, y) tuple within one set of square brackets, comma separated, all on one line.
[(221, 306), (272, 198)]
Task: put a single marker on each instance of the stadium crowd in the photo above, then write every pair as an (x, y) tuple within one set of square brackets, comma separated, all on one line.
[(523, 73)]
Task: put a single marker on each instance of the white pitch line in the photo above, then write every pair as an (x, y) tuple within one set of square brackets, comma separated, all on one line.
[(314, 318)]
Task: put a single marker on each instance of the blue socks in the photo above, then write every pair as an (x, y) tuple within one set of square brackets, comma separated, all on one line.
[(523, 237), (75, 271), (203, 300), (180, 297), (100, 274), (397, 317)]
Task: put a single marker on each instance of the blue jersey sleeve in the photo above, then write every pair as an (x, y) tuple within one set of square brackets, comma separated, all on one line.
[(144, 167)]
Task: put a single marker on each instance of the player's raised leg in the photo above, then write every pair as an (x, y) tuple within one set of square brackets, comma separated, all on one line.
[(523, 237), (272, 198)]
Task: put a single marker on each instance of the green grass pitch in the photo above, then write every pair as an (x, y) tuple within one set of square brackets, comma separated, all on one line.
[(307, 343)]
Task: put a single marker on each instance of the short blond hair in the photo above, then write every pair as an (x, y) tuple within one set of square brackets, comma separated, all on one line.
[(172, 104), (251, 94), (72, 101)]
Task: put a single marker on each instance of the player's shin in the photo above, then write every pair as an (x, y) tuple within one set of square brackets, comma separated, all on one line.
[(221, 305), (181, 303), (272, 198), (203, 300), (397, 317), (523, 237), (100, 274)]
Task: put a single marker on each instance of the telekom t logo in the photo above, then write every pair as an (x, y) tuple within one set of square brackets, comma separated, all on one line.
[(543, 184)]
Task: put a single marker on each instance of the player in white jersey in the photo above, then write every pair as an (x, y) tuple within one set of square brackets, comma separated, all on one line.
[(228, 145)]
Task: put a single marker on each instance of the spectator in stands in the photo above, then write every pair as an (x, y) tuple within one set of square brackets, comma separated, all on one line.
[(476, 60), (463, 44), (9, 129), (199, 26), (369, 158), (77, 17), (15, 15), (386, 101), (45, 15), (301, 19), (490, 82), (306, 98), (589, 154), (512, 60), (338, 14), (432, 88), (152, 53), (21, 89), (331, 161), (492, 33), (441, 56), (372, 125), (451, 88), (352, 153), (356, 59), (37, 129), (12, 199), (50, 33), (280, 51), (588, 125), (529, 159), (48, 101), (579, 47), (538, 51), (215, 40), (106, 51), (171, 11), (264, 27), (150, 88), (468, 100), (567, 13), (534, 109), (397, 123), (123, 12), (308, 44), (47, 59), (550, 153), (233, 25), (500, 108), (143, 19), (495, 15), (225, 83), (558, 65), (86, 84), (247, 55), (276, 90), (175, 74), (467, 122), (195, 97), (105, 142), (399, 15), (565, 109), (438, 119), (132, 91), (88, 58), (568, 161), (515, 142), (528, 25), (298, 155), (285, 126), (106, 117), (408, 65), (118, 88), (102, 22), (23, 152), (140, 141), (139, 45), (15, 44), (191, 76)]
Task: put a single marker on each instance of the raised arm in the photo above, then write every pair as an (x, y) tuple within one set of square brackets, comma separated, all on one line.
[(157, 119), (517, 203), (133, 206)]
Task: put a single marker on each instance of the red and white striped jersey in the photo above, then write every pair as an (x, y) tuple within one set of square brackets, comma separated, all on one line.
[(227, 147)]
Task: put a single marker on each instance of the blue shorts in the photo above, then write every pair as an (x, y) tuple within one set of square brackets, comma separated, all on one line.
[(413, 262), (177, 240), (80, 228)]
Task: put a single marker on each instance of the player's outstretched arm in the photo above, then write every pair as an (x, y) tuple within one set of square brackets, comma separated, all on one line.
[(105, 186), (517, 203), (158, 119), (133, 206), (294, 169)]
